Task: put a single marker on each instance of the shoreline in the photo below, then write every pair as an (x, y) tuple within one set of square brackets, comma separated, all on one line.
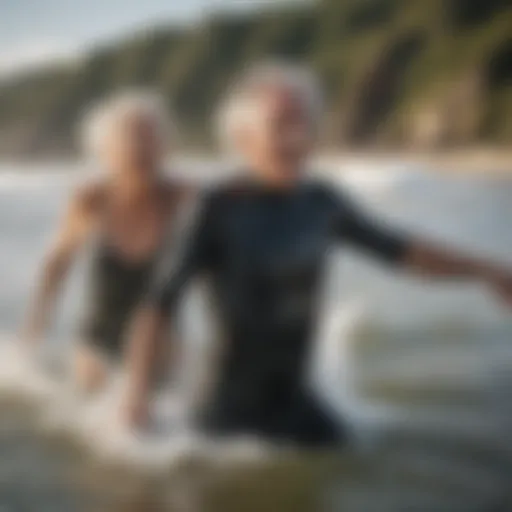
[(479, 161)]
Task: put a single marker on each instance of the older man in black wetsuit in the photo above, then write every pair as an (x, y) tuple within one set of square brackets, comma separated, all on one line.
[(263, 238)]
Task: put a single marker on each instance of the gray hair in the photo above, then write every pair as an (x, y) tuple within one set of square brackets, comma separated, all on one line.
[(239, 106), (104, 117)]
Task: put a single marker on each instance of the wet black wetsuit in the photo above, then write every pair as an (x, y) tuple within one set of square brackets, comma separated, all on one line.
[(265, 251)]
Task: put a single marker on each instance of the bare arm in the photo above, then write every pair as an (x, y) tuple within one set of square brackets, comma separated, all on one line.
[(150, 326), (69, 238), (433, 261)]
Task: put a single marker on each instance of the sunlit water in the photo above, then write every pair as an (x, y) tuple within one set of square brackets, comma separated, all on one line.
[(421, 372)]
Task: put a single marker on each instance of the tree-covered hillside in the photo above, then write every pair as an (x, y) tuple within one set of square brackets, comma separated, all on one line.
[(398, 73)]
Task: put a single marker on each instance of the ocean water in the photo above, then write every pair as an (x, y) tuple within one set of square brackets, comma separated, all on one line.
[(420, 371)]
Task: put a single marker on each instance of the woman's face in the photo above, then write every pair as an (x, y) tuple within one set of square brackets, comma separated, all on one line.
[(279, 139), (134, 145)]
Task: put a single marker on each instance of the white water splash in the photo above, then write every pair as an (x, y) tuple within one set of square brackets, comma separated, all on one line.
[(170, 440), (94, 421)]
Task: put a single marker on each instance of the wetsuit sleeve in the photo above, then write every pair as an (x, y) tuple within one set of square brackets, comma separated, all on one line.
[(190, 252), (360, 229)]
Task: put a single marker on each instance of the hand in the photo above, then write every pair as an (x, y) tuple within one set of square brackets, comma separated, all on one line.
[(501, 282)]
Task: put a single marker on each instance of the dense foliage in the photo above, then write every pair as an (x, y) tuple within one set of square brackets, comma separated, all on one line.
[(402, 73)]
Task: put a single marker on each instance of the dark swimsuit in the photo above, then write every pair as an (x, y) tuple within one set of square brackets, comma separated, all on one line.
[(265, 254), (116, 288)]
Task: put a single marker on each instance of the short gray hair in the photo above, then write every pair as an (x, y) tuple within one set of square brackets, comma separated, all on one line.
[(238, 105), (104, 116)]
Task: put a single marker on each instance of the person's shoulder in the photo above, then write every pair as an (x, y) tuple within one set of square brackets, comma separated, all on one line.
[(89, 197), (321, 190), (225, 190), (333, 197)]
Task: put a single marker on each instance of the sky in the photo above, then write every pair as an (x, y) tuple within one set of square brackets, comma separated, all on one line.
[(36, 32)]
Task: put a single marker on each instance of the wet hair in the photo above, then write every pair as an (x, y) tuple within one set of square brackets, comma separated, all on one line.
[(103, 117), (240, 103)]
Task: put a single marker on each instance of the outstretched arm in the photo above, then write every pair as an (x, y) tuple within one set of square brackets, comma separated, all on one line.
[(430, 260), (69, 238), (422, 258)]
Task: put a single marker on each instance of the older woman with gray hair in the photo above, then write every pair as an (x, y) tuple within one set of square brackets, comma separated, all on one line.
[(263, 239), (126, 215)]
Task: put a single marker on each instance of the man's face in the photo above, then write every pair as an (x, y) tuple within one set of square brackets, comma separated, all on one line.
[(134, 145), (279, 138)]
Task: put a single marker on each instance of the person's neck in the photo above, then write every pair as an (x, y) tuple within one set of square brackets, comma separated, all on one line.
[(135, 187), (271, 181)]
